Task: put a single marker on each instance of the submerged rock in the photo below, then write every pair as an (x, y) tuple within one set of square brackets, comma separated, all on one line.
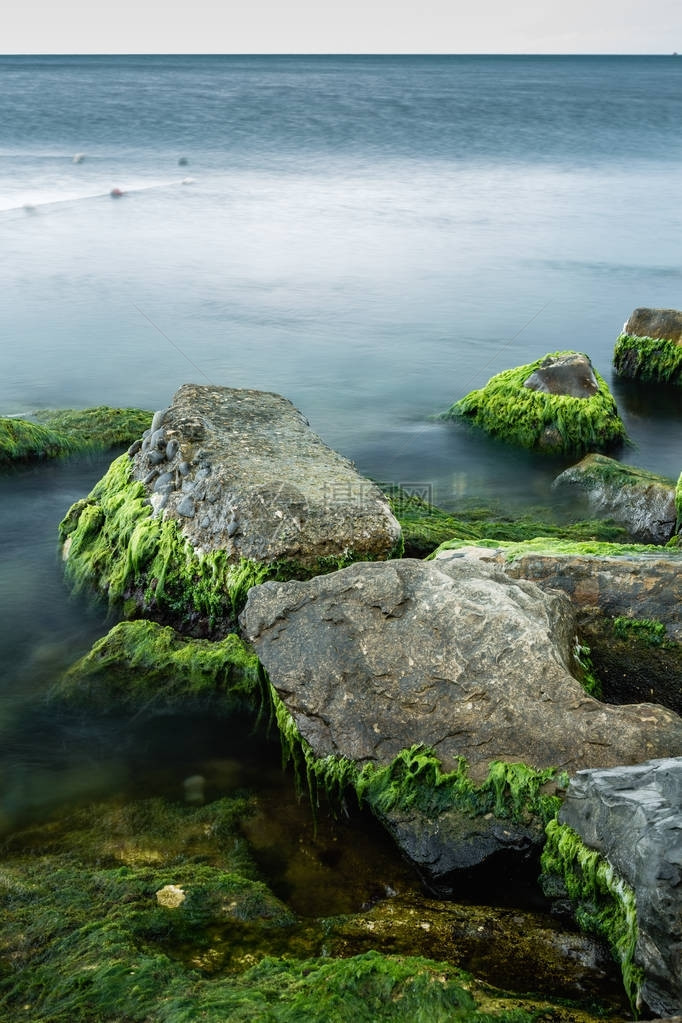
[(536, 407), (51, 434), (650, 346), (455, 657), (641, 501), (632, 816), (227, 488)]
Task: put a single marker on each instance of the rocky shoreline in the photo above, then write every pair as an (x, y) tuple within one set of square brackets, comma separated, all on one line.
[(455, 698)]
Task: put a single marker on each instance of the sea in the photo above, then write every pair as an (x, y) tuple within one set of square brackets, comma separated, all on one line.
[(370, 236)]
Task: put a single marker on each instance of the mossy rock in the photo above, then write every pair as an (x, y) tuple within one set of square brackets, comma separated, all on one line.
[(539, 421), (141, 666), (141, 565), (603, 903), (425, 526), (153, 912), (654, 359), (69, 431)]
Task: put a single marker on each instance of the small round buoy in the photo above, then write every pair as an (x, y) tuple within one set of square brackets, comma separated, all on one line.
[(116, 193), (187, 181), (78, 157)]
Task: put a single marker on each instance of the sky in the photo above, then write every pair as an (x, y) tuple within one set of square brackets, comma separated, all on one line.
[(342, 26)]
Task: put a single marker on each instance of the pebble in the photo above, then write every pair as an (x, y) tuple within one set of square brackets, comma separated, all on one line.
[(186, 507), (158, 419), (151, 475), (134, 447), (172, 448), (158, 438), (155, 457), (183, 468), (232, 527), (164, 482)]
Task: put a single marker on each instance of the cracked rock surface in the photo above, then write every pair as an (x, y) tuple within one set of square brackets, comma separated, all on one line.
[(452, 654)]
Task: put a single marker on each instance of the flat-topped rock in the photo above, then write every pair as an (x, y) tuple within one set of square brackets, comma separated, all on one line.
[(241, 471), (454, 655), (225, 489), (633, 817), (658, 323)]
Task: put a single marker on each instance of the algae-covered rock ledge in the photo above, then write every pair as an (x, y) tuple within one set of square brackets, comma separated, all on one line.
[(226, 489)]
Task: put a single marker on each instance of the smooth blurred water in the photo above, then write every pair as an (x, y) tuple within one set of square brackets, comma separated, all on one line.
[(371, 236)]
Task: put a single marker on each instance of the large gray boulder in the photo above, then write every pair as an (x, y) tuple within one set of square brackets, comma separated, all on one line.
[(227, 488), (451, 654), (241, 471), (641, 501), (633, 817)]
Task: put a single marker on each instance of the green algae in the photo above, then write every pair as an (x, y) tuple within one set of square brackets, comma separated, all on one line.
[(425, 526), (648, 631), (551, 423), (68, 432), (143, 665), (23, 441), (678, 505), (604, 904), (587, 676), (150, 911), (141, 565), (550, 545), (648, 358), (416, 779)]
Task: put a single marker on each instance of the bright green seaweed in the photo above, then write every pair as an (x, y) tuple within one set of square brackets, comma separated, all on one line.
[(648, 358), (604, 903), (551, 423), (69, 431)]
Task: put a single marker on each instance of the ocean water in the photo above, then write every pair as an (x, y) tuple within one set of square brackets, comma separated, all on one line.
[(372, 237)]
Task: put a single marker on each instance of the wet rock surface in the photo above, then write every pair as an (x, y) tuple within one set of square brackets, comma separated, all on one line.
[(567, 374), (241, 471), (657, 323), (451, 654), (642, 502), (633, 816)]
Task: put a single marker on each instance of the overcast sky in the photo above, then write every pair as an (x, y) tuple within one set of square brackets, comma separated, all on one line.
[(343, 26)]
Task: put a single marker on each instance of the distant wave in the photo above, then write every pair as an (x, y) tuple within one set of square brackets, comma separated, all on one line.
[(39, 200)]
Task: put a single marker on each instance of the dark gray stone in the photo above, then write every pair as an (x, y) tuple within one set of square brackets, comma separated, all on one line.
[(565, 374), (633, 817)]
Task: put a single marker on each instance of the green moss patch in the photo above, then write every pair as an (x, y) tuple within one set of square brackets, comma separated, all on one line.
[(154, 913), (604, 903), (425, 527), (142, 565), (415, 779), (67, 432), (141, 665), (648, 358), (551, 423), (554, 545)]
